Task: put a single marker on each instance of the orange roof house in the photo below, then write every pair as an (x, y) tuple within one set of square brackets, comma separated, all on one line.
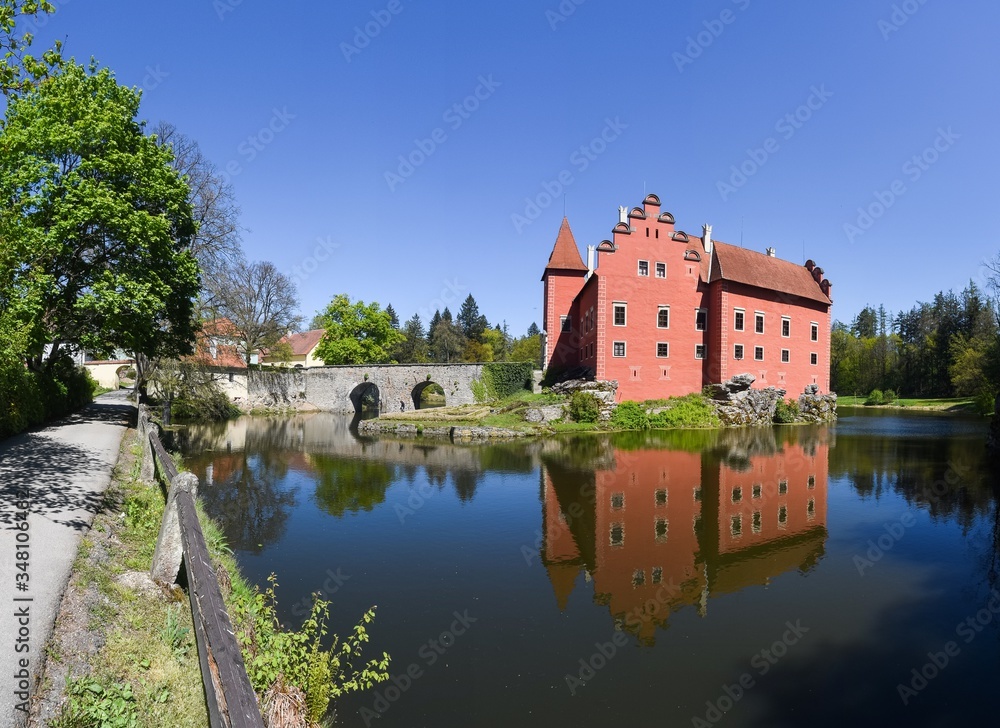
[(303, 346), (216, 345), (665, 312)]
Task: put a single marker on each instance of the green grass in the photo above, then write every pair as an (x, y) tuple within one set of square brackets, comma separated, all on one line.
[(161, 683), (941, 404)]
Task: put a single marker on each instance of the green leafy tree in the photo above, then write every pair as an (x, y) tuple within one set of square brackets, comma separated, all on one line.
[(96, 224), (528, 348), (356, 333), (19, 70)]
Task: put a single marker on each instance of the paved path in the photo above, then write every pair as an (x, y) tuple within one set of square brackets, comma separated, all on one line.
[(56, 474)]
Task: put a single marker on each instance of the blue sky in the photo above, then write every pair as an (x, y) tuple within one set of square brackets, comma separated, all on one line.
[(311, 106)]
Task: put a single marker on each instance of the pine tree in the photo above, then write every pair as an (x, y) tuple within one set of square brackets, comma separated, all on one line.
[(533, 329), (393, 318)]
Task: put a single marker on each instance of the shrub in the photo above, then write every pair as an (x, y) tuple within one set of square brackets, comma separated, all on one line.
[(630, 416), (888, 397), (584, 407), (28, 398), (984, 402), (875, 397), (505, 378), (692, 410), (786, 411)]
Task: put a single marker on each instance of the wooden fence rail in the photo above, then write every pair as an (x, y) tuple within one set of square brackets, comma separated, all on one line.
[(231, 700)]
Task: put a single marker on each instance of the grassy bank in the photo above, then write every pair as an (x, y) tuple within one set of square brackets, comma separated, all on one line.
[(122, 652), (956, 405)]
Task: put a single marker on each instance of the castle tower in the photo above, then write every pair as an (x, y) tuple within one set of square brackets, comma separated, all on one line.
[(564, 276)]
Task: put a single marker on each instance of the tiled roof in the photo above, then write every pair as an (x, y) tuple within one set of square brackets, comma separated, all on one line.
[(751, 268), (565, 254), (304, 342)]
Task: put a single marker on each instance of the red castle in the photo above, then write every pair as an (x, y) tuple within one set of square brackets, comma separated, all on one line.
[(666, 313)]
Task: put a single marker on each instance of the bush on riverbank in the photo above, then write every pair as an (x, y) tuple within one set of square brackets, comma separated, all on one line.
[(786, 412), (584, 407), (630, 416), (692, 410)]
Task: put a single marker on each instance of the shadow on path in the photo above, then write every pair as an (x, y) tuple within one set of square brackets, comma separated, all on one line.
[(55, 468)]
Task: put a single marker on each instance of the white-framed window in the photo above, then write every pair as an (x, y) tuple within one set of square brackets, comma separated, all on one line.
[(663, 317), (617, 535), (739, 316), (699, 351), (617, 500), (814, 331), (737, 494), (782, 487), (782, 516), (736, 525), (756, 522), (644, 268), (660, 497), (814, 358), (811, 483), (738, 351), (565, 325), (758, 322), (786, 356), (620, 314), (661, 270), (758, 353), (618, 349), (756, 490), (786, 327), (662, 349)]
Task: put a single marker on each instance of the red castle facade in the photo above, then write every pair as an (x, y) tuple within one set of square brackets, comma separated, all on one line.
[(665, 312)]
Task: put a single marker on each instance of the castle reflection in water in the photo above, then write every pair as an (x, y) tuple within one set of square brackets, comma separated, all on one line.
[(656, 530)]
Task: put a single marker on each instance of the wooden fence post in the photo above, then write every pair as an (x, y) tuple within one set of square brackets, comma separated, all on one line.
[(147, 471), (169, 546)]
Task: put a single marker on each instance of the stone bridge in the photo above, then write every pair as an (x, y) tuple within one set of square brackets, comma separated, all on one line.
[(390, 387)]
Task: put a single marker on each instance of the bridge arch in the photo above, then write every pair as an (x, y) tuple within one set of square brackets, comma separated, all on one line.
[(366, 398), (424, 388)]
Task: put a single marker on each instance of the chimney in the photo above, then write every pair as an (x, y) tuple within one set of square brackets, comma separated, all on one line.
[(591, 253), (623, 214), (825, 286), (817, 274), (770, 252), (706, 237)]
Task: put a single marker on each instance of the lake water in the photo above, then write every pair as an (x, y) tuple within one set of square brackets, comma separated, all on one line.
[(796, 576)]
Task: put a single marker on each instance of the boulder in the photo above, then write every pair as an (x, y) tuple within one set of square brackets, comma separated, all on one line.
[(737, 404)]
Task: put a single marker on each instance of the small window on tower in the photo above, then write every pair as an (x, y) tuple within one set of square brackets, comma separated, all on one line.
[(565, 324), (813, 359), (759, 323), (758, 353), (619, 316), (699, 351), (738, 351), (738, 321), (618, 348), (786, 327), (663, 317), (662, 349), (644, 268), (661, 270), (814, 332), (700, 319), (785, 355)]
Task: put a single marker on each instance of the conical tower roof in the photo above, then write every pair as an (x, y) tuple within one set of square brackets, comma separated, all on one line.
[(565, 255)]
